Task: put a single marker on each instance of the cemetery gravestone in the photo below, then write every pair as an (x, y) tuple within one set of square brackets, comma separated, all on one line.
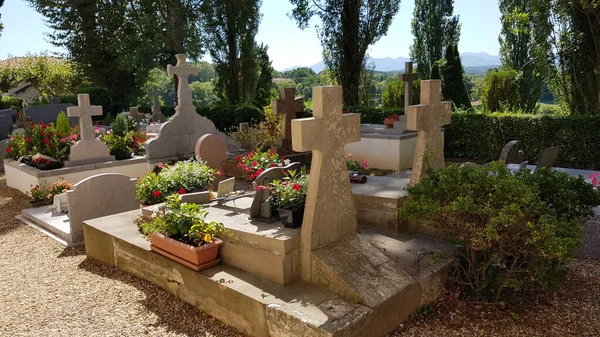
[(6, 123), (89, 149), (47, 113), (211, 149), (408, 77), (134, 112), (260, 206), (428, 119), (548, 157), (244, 127), (512, 153), (157, 115), (287, 106), (9, 112)]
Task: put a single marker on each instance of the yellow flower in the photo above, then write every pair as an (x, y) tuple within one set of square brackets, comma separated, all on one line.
[(207, 238)]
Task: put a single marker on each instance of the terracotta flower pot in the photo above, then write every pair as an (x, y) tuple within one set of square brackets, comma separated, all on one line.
[(389, 122), (197, 258)]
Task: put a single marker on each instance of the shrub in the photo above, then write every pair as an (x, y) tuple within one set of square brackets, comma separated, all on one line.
[(98, 96), (68, 99), (255, 162), (500, 91), (62, 123), (119, 127), (226, 117), (271, 126), (11, 102), (254, 137), (182, 177), (42, 139), (482, 136), (512, 232)]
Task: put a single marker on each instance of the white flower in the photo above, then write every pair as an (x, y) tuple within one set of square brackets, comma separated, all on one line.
[(287, 162)]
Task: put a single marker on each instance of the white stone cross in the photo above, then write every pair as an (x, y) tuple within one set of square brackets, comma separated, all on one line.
[(408, 77), (183, 71), (428, 119), (329, 210), (155, 94), (287, 106), (85, 111)]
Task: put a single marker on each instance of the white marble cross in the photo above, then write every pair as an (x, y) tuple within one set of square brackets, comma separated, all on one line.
[(408, 77), (182, 70), (329, 211), (85, 111), (287, 106), (428, 119)]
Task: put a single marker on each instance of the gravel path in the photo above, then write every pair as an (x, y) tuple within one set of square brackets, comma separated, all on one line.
[(47, 290)]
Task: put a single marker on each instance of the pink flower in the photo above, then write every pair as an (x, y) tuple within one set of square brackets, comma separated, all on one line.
[(296, 187), (254, 164), (364, 165), (594, 177), (219, 173), (260, 188), (161, 165), (350, 155)]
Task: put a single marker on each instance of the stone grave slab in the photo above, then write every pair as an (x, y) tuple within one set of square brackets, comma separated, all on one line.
[(512, 153), (88, 150), (211, 149), (6, 123), (428, 119), (9, 112), (378, 200), (47, 113)]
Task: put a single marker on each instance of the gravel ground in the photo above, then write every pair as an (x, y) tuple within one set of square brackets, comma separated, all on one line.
[(48, 290)]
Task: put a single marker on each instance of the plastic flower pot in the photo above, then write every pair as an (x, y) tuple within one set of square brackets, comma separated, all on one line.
[(197, 258), (291, 218)]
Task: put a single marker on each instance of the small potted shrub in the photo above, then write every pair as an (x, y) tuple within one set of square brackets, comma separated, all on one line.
[(289, 196), (389, 121), (116, 139), (255, 162), (39, 194), (180, 231)]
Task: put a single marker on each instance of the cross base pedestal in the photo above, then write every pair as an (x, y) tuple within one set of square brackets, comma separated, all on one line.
[(88, 152)]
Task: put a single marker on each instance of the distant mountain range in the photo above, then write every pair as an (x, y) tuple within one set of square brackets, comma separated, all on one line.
[(476, 62)]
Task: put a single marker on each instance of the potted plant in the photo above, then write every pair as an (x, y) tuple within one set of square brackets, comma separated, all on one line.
[(58, 193), (389, 121), (289, 196), (39, 194), (180, 232), (117, 145)]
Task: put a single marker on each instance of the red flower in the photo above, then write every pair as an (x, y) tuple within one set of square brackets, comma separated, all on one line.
[(271, 152), (251, 177), (273, 164), (47, 162), (182, 190), (239, 158), (8, 150), (260, 188), (254, 164), (259, 172), (42, 133), (46, 141), (296, 187), (53, 145), (219, 173), (156, 194)]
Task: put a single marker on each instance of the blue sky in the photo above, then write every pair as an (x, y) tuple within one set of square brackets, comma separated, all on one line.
[(289, 46)]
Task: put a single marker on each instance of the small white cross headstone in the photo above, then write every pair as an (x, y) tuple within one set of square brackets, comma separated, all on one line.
[(157, 115), (408, 77), (329, 211), (287, 106), (88, 149), (428, 119), (182, 70)]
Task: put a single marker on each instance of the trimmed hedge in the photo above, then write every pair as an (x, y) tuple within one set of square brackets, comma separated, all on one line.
[(370, 115), (167, 110), (482, 136), (226, 117), (11, 102), (99, 96)]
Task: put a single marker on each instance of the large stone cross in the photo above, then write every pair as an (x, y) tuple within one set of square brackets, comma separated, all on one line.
[(85, 111), (183, 71), (329, 211), (408, 77), (428, 119), (287, 106)]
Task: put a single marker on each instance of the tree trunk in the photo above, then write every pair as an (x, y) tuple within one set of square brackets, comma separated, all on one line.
[(175, 35), (232, 56), (352, 57)]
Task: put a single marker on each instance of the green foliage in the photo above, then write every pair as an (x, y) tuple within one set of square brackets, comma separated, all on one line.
[(44, 139), (182, 177), (203, 93), (119, 126), (434, 27), (370, 115), (501, 91), (512, 232), (62, 123), (393, 95), (264, 84), (256, 161), (11, 102), (290, 192), (116, 143), (185, 222), (482, 136), (254, 137), (435, 71), (346, 31), (227, 117), (98, 96), (453, 88)]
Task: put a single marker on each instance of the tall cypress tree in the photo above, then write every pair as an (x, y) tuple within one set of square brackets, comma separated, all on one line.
[(454, 88), (434, 26)]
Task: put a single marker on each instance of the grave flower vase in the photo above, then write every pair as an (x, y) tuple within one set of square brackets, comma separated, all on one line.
[(197, 258), (389, 122), (121, 155), (291, 218)]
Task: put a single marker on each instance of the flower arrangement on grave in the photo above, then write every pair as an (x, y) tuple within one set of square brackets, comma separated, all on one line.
[(116, 139), (39, 193), (594, 176), (255, 162), (43, 192), (185, 223), (354, 165), (182, 177), (137, 139), (42, 145), (58, 187), (289, 197)]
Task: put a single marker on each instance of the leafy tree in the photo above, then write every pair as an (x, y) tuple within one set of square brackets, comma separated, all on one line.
[(393, 95), (501, 91), (206, 72), (433, 27), (158, 79), (347, 30), (1, 25), (264, 85), (453, 88), (525, 46), (230, 28), (203, 93)]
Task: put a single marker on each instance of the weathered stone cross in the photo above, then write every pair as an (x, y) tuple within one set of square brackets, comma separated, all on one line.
[(85, 111), (329, 211), (428, 118), (183, 71), (408, 77), (134, 112), (157, 115), (287, 106)]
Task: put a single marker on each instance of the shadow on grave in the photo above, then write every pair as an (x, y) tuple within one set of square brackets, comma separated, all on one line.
[(168, 309), (72, 251)]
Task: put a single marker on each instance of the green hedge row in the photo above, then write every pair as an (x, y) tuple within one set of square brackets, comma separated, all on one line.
[(227, 117), (482, 136), (371, 115)]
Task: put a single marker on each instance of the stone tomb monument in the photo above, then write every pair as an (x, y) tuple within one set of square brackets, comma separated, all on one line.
[(211, 149), (428, 119), (287, 106), (157, 115), (177, 137), (88, 150)]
